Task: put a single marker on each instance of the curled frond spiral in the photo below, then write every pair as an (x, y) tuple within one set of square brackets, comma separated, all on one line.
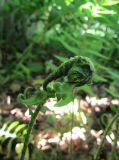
[(78, 71)]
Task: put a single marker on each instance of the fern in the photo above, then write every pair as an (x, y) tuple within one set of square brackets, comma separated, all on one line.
[(78, 71), (11, 132)]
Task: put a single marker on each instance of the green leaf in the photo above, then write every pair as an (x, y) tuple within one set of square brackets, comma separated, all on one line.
[(68, 46), (112, 90), (88, 89), (19, 128), (63, 102), (61, 58), (99, 78), (64, 93), (12, 126)]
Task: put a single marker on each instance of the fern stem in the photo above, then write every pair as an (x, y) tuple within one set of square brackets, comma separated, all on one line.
[(30, 126), (104, 136)]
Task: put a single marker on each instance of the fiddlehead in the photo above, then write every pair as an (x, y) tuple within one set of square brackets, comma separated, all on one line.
[(78, 71)]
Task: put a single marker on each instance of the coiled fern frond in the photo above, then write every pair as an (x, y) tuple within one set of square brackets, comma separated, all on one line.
[(78, 71)]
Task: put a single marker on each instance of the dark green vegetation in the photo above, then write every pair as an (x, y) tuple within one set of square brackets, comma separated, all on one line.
[(35, 37)]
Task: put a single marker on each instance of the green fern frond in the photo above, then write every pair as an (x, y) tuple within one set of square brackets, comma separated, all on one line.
[(9, 132)]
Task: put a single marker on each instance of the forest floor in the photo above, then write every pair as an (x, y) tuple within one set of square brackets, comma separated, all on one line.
[(71, 132)]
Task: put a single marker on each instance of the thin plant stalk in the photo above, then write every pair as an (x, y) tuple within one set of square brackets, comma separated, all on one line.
[(104, 136), (30, 126)]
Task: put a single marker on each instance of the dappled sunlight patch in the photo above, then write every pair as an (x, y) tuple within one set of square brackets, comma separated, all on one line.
[(47, 138), (83, 117), (97, 135), (110, 139), (85, 106), (98, 104), (70, 107), (115, 101), (118, 144)]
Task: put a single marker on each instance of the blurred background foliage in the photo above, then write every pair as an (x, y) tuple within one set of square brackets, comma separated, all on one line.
[(36, 36)]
